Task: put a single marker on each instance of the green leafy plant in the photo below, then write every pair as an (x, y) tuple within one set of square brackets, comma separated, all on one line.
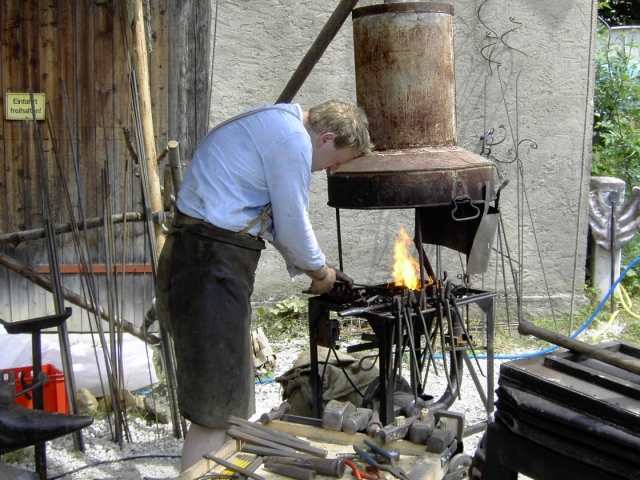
[(286, 318), (616, 145), (616, 139)]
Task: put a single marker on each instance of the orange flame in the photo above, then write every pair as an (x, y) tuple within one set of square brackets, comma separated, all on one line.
[(406, 269)]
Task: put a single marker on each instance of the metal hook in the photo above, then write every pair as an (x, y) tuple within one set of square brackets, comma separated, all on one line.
[(463, 201)]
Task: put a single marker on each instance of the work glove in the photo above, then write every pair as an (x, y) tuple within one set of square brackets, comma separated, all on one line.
[(322, 280), (344, 278)]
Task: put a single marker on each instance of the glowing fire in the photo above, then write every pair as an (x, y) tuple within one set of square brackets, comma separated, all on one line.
[(406, 269)]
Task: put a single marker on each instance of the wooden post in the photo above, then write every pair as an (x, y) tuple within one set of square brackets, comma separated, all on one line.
[(140, 62)]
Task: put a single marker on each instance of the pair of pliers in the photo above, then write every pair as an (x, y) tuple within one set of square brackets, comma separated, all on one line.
[(361, 474), (370, 460)]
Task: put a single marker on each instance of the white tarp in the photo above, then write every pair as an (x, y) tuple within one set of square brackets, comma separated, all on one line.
[(15, 351)]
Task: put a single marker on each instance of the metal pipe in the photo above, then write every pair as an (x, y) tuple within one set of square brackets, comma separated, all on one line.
[(604, 355), (36, 233), (316, 50)]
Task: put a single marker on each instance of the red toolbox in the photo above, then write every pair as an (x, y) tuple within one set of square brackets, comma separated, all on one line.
[(54, 393)]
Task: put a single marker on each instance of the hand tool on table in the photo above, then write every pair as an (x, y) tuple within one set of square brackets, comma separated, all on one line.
[(275, 413), (330, 467), (272, 452), (369, 459), (357, 421), (374, 425), (334, 414), (291, 471), (312, 421), (397, 430), (422, 428), (361, 474), (390, 456)]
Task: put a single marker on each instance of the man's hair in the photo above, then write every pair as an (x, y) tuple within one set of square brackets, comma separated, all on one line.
[(347, 121)]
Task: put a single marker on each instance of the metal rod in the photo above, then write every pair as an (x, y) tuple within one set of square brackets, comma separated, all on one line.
[(440, 326), (37, 233), (320, 44), (339, 239), (54, 265), (602, 354), (476, 380), (116, 397), (447, 309), (428, 349), (612, 252)]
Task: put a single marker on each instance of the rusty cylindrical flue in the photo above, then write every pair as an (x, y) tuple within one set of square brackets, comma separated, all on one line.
[(405, 83)]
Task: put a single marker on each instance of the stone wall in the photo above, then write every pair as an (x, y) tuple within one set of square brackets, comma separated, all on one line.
[(523, 69)]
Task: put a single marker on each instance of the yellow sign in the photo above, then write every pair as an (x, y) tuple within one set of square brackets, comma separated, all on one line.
[(18, 106)]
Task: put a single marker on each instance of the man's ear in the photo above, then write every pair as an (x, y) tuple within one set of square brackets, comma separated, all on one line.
[(327, 137)]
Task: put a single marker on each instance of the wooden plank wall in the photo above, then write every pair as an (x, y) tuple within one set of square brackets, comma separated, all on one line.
[(74, 52)]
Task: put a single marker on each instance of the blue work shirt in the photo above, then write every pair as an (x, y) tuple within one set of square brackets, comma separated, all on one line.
[(242, 166)]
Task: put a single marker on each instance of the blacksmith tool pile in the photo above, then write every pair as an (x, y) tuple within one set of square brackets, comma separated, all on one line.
[(288, 455)]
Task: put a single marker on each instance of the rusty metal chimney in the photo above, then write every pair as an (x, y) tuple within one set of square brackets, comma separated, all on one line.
[(405, 83)]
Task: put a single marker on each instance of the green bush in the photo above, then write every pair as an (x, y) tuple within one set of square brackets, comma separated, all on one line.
[(616, 139), (287, 318), (616, 142)]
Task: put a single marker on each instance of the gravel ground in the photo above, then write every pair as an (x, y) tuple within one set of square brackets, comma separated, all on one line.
[(158, 440)]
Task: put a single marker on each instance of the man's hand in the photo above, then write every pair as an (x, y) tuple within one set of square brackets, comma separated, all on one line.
[(344, 278), (322, 280)]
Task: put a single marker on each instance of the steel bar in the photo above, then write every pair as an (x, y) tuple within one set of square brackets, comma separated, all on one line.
[(427, 338), (52, 251), (273, 434), (612, 358), (116, 399), (465, 330), (339, 233), (18, 237), (447, 309), (440, 326), (271, 452), (88, 281), (233, 432), (320, 44), (416, 377), (43, 281), (476, 380)]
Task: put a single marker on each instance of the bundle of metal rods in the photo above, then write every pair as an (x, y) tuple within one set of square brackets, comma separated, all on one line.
[(421, 322)]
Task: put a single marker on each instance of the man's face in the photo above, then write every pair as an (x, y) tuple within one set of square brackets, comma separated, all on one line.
[(325, 154)]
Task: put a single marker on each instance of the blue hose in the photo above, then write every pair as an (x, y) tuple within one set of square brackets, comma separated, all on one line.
[(581, 328)]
